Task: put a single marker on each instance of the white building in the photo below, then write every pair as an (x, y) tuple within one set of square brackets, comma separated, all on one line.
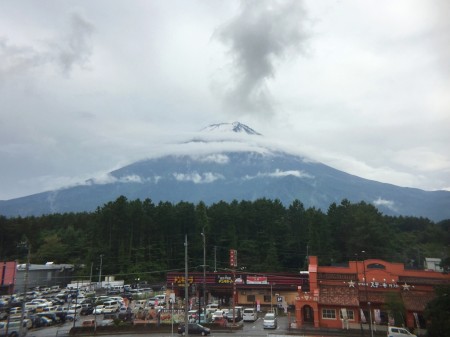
[(432, 263), (43, 275)]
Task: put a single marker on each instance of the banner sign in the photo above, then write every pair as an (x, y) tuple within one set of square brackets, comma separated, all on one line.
[(233, 258), (179, 280), (224, 279), (257, 280), (228, 279)]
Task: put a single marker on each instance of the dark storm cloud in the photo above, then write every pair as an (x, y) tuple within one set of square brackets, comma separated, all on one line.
[(77, 46), (263, 33)]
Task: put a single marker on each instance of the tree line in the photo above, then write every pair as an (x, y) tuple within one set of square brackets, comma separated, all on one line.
[(143, 240)]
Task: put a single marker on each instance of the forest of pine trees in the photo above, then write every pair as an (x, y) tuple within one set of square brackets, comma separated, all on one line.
[(139, 239)]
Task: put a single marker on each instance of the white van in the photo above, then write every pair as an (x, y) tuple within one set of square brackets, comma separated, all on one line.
[(249, 315), (112, 304), (213, 306), (13, 329), (394, 331), (161, 299)]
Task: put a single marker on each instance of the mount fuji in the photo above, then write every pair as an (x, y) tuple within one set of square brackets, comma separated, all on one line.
[(227, 162)]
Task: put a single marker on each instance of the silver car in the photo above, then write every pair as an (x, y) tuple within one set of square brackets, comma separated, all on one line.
[(270, 321)]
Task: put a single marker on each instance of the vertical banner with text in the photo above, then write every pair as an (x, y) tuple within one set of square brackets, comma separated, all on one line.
[(233, 258)]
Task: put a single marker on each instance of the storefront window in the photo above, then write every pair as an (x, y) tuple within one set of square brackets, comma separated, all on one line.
[(350, 315), (329, 313), (251, 298)]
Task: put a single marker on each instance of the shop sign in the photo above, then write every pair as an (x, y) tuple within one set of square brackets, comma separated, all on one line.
[(224, 279), (180, 280), (373, 284), (257, 280), (228, 279)]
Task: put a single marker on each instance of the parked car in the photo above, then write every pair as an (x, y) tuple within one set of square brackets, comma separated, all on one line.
[(45, 321), (194, 328), (394, 331), (75, 308), (270, 321), (13, 329), (250, 315), (51, 315), (219, 314), (109, 309), (15, 310), (86, 309), (71, 317), (214, 306), (89, 323), (237, 314), (98, 309)]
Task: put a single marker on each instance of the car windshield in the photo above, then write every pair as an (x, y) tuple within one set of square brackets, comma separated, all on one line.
[(269, 316)]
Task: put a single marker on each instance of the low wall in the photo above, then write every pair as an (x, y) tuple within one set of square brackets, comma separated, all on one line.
[(141, 327)]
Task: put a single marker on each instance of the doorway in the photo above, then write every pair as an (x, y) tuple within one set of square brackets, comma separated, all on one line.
[(308, 314)]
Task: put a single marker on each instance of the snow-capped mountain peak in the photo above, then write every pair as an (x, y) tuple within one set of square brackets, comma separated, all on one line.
[(236, 127)]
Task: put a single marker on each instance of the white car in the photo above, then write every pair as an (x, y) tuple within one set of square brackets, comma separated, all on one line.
[(394, 331), (98, 309), (219, 314), (109, 309), (270, 321), (74, 309), (249, 315)]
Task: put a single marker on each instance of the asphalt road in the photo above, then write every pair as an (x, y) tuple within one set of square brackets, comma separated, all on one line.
[(250, 329)]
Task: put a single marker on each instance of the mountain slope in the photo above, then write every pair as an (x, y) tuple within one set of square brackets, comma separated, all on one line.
[(240, 175)]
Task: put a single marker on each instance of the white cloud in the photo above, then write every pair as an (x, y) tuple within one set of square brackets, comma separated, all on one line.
[(198, 178), (386, 203), (360, 86), (280, 174), (217, 158)]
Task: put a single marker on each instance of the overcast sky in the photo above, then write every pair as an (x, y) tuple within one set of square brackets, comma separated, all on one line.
[(89, 86)]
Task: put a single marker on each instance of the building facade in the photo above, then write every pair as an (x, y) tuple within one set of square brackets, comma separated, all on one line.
[(261, 291), (364, 294), (42, 275)]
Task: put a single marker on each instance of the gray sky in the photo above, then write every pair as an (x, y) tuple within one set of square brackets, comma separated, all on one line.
[(89, 86)]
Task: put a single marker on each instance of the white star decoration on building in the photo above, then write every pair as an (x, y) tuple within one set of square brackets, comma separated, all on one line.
[(406, 286), (351, 284)]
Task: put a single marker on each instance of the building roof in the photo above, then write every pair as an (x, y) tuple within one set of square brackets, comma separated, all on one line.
[(416, 301), (336, 295), (32, 267)]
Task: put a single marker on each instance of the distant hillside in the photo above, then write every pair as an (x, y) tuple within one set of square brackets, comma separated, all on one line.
[(229, 175)]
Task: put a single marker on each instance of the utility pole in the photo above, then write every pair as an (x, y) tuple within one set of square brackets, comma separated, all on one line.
[(359, 303), (233, 265), (215, 259), (100, 271), (271, 301), (25, 286), (204, 278), (186, 287), (367, 297)]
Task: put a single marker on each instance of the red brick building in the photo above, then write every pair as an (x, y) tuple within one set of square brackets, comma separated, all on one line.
[(7, 277), (361, 292)]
